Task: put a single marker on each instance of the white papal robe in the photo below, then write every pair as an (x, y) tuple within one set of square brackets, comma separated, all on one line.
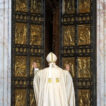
[(55, 89)]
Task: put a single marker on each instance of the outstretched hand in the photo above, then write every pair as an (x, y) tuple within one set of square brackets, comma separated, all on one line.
[(67, 67), (34, 65)]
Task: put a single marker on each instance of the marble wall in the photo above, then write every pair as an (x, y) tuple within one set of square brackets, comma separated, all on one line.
[(5, 52), (101, 52)]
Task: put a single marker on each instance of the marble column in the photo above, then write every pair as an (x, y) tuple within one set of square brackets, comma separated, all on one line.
[(101, 52), (5, 52)]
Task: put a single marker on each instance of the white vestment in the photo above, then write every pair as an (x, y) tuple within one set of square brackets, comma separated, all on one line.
[(35, 69), (53, 86)]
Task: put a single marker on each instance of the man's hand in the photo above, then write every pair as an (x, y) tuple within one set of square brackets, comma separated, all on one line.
[(34, 65), (67, 67)]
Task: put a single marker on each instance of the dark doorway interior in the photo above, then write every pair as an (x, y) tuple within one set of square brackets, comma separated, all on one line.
[(52, 27)]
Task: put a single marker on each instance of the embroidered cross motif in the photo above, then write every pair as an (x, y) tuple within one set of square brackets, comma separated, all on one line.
[(57, 80), (49, 80)]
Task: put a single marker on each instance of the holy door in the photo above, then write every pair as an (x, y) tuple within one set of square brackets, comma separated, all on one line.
[(77, 42), (27, 46), (78, 47)]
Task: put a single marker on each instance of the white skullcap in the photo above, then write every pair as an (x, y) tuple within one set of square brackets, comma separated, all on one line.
[(51, 58)]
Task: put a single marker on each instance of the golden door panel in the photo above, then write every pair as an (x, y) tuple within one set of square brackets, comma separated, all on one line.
[(69, 35), (38, 60), (84, 6), (21, 5), (71, 62), (20, 66), (20, 33), (69, 6), (36, 35), (36, 6), (84, 97), (84, 35), (32, 98), (20, 97), (84, 67)]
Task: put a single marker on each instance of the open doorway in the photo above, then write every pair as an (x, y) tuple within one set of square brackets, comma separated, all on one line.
[(52, 34)]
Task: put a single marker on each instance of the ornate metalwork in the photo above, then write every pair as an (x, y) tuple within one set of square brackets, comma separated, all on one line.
[(69, 6), (36, 35), (20, 33), (84, 34), (22, 83), (84, 97), (36, 6), (69, 35), (72, 19), (78, 47), (32, 98), (20, 97), (27, 47), (84, 6), (84, 67), (20, 66), (21, 5)]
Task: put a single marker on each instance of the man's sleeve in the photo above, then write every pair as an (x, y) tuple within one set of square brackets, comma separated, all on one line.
[(36, 87), (70, 90)]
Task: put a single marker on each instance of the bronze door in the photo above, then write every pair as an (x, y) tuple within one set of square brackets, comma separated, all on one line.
[(27, 46), (78, 47)]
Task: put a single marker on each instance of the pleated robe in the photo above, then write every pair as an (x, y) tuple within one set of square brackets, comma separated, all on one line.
[(55, 89)]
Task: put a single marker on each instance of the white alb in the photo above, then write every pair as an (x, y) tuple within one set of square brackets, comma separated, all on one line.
[(53, 86)]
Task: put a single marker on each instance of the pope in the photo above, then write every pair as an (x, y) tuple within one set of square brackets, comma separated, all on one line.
[(53, 86)]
